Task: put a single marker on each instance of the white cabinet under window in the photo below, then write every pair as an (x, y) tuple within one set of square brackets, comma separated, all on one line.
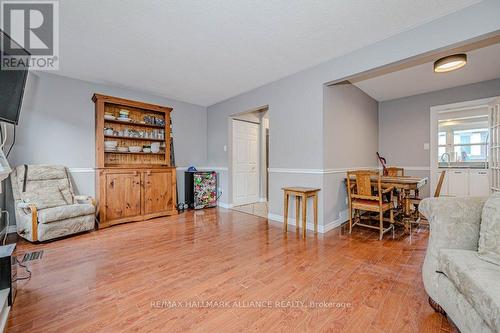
[(479, 185), (465, 182), (444, 187), (458, 183)]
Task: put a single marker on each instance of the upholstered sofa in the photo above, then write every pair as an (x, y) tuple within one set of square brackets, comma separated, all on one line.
[(45, 204), (461, 271)]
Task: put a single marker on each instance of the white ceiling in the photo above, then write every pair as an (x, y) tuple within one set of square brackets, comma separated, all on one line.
[(482, 64), (207, 51)]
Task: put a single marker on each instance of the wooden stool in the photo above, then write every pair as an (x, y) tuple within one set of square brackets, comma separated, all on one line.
[(301, 194)]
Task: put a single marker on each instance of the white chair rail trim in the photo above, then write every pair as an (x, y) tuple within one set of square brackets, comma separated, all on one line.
[(81, 170), (180, 168), (204, 168), (339, 170), (278, 170)]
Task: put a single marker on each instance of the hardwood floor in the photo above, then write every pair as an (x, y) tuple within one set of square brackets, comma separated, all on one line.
[(257, 209), (116, 279)]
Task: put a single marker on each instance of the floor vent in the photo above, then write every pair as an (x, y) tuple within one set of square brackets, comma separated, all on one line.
[(29, 256)]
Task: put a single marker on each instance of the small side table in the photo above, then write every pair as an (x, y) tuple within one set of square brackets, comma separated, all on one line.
[(301, 194)]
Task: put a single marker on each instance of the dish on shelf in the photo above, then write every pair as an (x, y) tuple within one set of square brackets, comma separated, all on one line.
[(110, 144), (109, 117), (124, 119), (109, 149), (122, 149), (146, 150), (155, 147), (135, 149)]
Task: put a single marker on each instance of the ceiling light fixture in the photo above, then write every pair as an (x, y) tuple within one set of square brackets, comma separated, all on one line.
[(450, 63)]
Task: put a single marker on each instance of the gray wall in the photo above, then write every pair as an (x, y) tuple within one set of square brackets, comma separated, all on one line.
[(295, 131), (404, 124), (350, 130), (296, 102), (350, 127), (56, 126)]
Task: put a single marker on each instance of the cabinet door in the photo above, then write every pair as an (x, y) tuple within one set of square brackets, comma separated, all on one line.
[(479, 185), (159, 189), (458, 183), (123, 195)]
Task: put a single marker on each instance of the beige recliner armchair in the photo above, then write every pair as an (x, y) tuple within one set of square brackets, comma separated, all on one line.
[(45, 204)]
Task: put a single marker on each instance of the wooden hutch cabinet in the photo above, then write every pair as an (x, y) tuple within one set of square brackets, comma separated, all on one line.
[(138, 183)]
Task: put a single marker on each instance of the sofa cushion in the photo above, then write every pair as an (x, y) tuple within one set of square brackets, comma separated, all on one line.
[(476, 279), (489, 235), (64, 212)]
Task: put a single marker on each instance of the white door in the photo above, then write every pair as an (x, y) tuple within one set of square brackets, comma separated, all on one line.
[(245, 162), (479, 185)]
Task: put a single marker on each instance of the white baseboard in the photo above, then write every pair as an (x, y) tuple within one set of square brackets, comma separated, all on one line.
[(224, 205), (322, 229)]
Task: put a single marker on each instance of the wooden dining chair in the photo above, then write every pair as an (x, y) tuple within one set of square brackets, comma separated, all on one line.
[(420, 219), (362, 197), (437, 192), (394, 172)]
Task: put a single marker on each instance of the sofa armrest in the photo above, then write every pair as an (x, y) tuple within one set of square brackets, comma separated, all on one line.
[(454, 224)]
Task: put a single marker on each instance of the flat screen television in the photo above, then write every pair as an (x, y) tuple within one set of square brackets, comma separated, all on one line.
[(12, 84)]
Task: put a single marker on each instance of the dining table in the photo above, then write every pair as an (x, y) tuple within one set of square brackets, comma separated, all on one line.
[(405, 185)]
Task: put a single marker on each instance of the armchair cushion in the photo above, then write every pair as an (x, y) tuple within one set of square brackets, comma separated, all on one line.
[(44, 198), (489, 237), (477, 281), (43, 172), (64, 212), (45, 186)]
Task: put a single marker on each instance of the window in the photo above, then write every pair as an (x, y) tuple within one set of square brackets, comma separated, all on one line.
[(463, 140), (471, 144), (441, 143)]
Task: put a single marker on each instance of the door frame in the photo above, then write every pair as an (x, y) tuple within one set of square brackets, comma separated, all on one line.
[(231, 158), (470, 107)]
